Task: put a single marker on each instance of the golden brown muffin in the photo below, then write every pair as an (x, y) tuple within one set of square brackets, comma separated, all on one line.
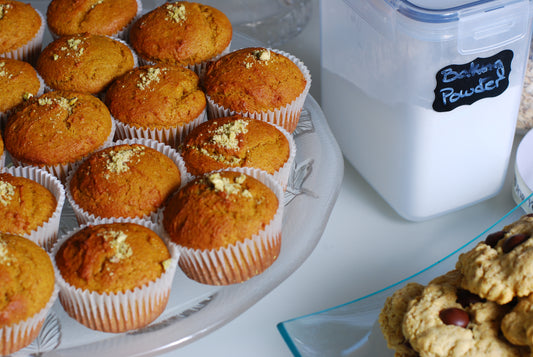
[(19, 24), (113, 257), (181, 33), (57, 128), (24, 204), (156, 97), (84, 63), (255, 80), (219, 209), (19, 81), (114, 276), (226, 214), (235, 141), (125, 180), (100, 17), (27, 288)]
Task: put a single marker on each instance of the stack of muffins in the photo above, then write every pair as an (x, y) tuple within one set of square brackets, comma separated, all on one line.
[(171, 149)]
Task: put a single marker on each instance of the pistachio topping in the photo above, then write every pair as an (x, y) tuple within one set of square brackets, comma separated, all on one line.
[(5, 258), (152, 75), (3, 10), (176, 13), (166, 264), (224, 184), (262, 55), (117, 161), (7, 191), (27, 95), (226, 135), (96, 3), (117, 241), (220, 158), (66, 103), (3, 71)]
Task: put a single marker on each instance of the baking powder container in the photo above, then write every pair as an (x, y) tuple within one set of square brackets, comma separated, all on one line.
[(423, 96)]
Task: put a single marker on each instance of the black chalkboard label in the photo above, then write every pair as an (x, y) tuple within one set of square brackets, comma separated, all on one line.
[(467, 83)]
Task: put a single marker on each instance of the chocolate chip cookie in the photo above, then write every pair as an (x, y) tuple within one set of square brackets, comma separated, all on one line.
[(501, 267)]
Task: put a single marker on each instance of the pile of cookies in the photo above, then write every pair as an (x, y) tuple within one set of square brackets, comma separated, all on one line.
[(484, 307)]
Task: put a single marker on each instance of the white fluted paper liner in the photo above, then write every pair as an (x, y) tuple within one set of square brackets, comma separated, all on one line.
[(3, 159), (122, 311), (286, 116), (84, 217), (122, 34), (282, 175), (46, 234), (198, 68), (19, 335), (5, 115), (172, 137), (62, 171), (30, 51), (243, 260)]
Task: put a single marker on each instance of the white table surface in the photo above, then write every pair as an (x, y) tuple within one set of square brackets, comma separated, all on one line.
[(366, 246)]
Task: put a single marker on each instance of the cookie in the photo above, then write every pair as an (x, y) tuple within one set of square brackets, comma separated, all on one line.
[(391, 318), (446, 320), (501, 267), (517, 326)]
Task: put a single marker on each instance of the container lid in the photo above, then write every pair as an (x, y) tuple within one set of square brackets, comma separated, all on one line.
[(441, 11), (523, 170)]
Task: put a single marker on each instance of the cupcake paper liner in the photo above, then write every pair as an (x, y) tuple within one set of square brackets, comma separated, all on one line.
[(286, 116), (84, 217), (19, 335), (117, 312), (61, 171), (241, 261), (172, 137), (283, 174), (46, 234), (30, 51)]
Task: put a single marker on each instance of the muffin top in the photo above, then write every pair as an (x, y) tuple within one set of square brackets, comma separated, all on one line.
[(219, 209), (253, 80), (57, 128), (101, 17), (19, 23), (24, 204), (112, 257), (181, 33), (235, 141), (156, 97), (27, 277), (126, 180), (84, 63), (18, 81)]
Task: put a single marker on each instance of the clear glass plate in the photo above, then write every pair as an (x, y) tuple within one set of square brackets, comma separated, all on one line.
[(352, 329), (195, 310)]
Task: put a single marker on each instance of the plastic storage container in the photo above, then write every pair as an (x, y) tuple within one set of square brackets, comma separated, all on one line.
[(422, 100)]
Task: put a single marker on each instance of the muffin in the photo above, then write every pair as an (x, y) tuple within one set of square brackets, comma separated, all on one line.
[(128, 179), (19, 81), (57, 129), (111, 18), (114, 276), (21, 30), (159, 102), (31, 201), (261, 83), (84, 63), (27, 291), (181, 33), (227, 225), (238, 141)]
